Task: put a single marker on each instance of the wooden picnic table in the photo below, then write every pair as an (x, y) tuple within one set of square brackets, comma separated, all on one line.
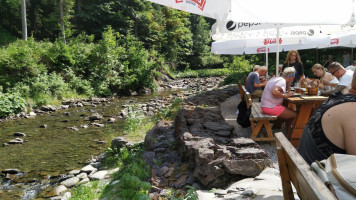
[(304, 106)]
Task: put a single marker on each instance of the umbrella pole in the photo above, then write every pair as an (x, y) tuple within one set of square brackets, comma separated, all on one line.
[(277, 52), (267, 58)]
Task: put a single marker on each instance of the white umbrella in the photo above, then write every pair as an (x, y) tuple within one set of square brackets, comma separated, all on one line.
[(271, 11)]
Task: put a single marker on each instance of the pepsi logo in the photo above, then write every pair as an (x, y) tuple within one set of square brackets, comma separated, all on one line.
[(230, 25)]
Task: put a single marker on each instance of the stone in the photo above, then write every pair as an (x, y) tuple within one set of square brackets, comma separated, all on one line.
[(118, 142), (82, 175), (247, 167), (43, 126), (57, 191), (88, 169), (16, 141), (248, 193), (19, 134), (85, 180), (95, 116), (70, 182), (74, 172), (111, 120), (216, 126), (98, 175)]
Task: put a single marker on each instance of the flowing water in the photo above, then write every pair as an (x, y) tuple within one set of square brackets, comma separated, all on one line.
[(49, 152)]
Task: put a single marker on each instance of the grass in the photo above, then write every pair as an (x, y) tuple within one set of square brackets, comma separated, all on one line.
[(131, 181), (203, 73)]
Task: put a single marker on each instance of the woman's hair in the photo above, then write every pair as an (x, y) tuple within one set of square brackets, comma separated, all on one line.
[(319, 66), (290, 54), (288, 71)]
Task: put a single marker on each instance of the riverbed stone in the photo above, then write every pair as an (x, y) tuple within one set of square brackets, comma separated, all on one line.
[(10, 171), (118, 142), (95, 116), (70, 182), (57, 191), (74, 172), (16, 141), (19, 134), (82, 175), (89, 169), (98, 175), (85, 180)]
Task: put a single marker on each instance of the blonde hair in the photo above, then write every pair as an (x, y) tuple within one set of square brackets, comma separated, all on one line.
[(288, 71), (263, 68), (255, 68), (319, 66), (290, 54)]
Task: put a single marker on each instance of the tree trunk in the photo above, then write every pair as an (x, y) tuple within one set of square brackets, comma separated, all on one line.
[(62, 21), (24, 22)]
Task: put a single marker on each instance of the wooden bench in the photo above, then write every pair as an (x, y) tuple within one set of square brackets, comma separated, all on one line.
[(262, 120), (295, 170)]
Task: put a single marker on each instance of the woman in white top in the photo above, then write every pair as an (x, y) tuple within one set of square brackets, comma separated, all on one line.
[(325, 76)]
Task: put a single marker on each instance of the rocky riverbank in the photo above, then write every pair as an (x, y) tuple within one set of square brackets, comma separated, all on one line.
[(48, 185)]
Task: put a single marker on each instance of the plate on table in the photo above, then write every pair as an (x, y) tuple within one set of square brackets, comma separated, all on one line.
[(296, 95)]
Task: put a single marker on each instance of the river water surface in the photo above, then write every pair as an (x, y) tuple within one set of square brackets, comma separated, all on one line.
[(49, 152)]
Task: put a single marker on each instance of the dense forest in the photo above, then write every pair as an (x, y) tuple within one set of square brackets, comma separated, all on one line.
[(101, 48)]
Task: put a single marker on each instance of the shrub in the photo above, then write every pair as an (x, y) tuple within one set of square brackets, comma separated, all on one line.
[(11, 103)]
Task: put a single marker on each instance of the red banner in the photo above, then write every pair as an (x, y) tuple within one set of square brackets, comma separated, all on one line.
[(200, 3)]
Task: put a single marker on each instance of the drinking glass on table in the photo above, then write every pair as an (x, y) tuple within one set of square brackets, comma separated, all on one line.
[(297, 87)]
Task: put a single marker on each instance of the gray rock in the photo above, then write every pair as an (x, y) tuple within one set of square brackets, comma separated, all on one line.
[(96, 164), (95, 116), (85, 180), (32, 114), (74, 172), (70, 182), (5, 144), (98, 175), (19, 134), (16, 141), (82, 175), (89, 169), (57, 191), (248, 193), (111, 120), (10, 171), (118, 142)]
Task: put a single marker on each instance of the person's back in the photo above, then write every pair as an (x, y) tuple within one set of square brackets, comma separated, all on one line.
[(252, 78), (254, 84)]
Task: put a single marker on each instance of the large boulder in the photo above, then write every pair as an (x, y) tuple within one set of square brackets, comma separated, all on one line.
[(207, 142)]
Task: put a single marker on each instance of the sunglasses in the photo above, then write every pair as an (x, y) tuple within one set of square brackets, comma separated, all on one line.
[(333, 72)]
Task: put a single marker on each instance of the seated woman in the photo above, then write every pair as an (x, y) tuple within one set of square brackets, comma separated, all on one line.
[(272, 99), (325, 77), (332, 128)]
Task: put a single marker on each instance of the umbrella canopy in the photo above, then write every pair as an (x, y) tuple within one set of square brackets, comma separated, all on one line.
[(272, 11)]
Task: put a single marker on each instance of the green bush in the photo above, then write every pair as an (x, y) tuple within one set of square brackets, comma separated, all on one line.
[(11, 103), (20, 61), (239, 67)]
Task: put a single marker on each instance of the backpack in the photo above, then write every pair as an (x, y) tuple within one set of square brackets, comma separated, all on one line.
[(338, 171), (243, 118)]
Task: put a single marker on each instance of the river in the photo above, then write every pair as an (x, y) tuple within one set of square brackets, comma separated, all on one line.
[(49, 152)]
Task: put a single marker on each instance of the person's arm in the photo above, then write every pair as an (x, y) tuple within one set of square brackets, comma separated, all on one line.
[(330, 84), (278, 92), (258, 85)]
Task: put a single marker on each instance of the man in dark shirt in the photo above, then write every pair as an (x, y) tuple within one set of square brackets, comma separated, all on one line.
[(253, 83)]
